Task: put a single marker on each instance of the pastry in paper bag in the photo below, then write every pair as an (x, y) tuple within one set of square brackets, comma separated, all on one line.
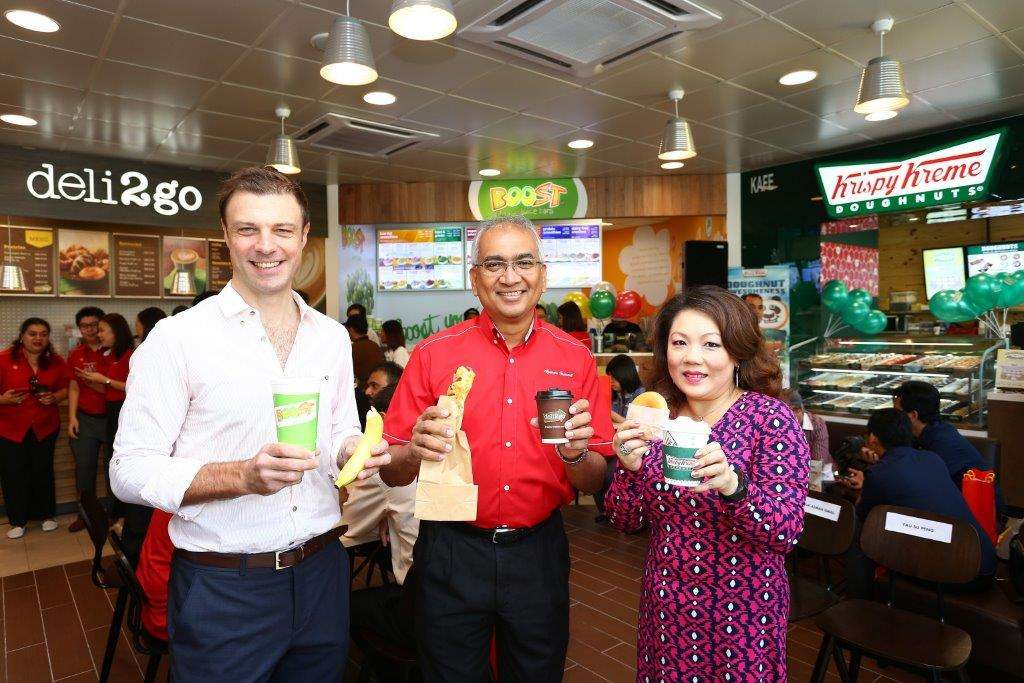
[(650, 410), (446, 492)]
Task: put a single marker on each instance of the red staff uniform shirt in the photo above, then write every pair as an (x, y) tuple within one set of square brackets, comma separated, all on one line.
[(16, 420), (521, 480), (90, 401), (116, 370)]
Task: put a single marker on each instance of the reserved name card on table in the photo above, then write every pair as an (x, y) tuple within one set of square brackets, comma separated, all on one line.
[(819, 508), (922, 528)]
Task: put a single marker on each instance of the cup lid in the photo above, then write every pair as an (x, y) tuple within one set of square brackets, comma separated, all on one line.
[(553, 393)]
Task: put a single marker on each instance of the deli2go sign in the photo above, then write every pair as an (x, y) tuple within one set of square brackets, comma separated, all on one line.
[(167, 198)]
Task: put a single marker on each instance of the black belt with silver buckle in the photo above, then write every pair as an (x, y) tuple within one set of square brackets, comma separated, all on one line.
[(502, 535)]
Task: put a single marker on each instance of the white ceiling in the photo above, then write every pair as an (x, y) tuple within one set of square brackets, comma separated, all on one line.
[(195, 83)]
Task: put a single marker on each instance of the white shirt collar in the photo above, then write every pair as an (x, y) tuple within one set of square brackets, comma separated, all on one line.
[(232, 303)]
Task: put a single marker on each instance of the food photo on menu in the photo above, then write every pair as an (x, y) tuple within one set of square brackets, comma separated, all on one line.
[(84, 260)]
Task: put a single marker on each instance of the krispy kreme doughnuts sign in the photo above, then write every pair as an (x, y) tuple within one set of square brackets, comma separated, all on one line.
[(950, 174)]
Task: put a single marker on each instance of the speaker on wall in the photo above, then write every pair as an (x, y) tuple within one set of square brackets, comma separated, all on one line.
[(706, 263)]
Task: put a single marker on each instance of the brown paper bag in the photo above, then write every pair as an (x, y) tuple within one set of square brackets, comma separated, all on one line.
[(446, 492)]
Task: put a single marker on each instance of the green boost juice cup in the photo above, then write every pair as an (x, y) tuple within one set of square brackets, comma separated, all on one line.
[(683, 438), (296, 405)]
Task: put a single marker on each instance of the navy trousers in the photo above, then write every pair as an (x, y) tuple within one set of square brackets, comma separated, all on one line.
[(260, 624)]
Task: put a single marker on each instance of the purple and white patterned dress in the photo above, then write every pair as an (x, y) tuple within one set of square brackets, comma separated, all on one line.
[(715, 599)]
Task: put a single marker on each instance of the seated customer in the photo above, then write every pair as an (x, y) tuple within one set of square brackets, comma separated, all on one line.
[(815, 430), (153, 572), (920, 402), (908, 477)]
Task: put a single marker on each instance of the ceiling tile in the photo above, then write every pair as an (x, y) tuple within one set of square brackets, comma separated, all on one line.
[(582, 108), (1016, 37), (514, 88), (470, 146), (770, 5), (994, 86), (157, 47), (801, 133), (425, 158), (716, 101), (635, 125), (835, 21), (628, 154), (916, 119), (758, 118), (83, 29), (724, 55), (375, 11), (405, 174), (733, 14), (830, 67), (458, 114), (649, 83), (836, 144), (291, 34), (559, 143), (136, 139), (179, 142), (706, 137), (248, 18), (987, 111), (1005, 14), (131, 112), (524, 129), (26, 137), (256, 154), (829, 99), (36, 62), (111, 148), (271, 71), (226, 126), (433, 65), (185, 159), (49, 124), (978, 58), (924, 35), (530, 162), (242, 101), (151, 85), (39, 96), (409, 97)]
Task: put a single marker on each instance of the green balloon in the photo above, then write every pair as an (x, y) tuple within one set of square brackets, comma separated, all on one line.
[(834, 296), (982, 292), (862, 295), (949, 306), (855, 312), (1012, 291), (602, 303), (873, 323)]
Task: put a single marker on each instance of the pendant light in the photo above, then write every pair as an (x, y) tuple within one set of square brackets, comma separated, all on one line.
[(348, 58), (13, 279), (283, 155), (422, 19), (881, 81), (676, 141)]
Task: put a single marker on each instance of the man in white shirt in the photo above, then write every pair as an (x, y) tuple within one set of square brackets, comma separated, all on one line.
[(259, 587)]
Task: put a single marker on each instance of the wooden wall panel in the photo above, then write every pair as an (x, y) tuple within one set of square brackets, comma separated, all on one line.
[(900, 265), (681, 195), (1006, 229)]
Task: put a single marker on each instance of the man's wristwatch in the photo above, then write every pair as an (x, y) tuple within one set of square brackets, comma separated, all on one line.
[(741, 489), (107, 382), (571, 461)]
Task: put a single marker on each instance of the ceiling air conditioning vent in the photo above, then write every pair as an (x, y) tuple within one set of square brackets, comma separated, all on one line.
[(340, 133), (581, 37)]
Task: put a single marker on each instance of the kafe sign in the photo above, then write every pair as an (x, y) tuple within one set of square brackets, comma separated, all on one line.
[(535, 199), (946, 175)]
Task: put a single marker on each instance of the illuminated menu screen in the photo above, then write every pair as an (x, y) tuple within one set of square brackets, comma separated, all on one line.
[(572, 252), (995, 259), (421, 259)]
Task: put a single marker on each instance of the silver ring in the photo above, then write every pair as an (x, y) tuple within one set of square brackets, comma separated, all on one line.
[(623, 449)]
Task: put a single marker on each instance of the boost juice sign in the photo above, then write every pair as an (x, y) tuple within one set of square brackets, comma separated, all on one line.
[(536, 199), (951, 174)]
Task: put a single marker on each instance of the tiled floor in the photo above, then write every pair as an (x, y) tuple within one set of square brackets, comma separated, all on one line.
[(54, 621)]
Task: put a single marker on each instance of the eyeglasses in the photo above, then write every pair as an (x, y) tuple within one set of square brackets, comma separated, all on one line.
[(89, 326), (523, 266)]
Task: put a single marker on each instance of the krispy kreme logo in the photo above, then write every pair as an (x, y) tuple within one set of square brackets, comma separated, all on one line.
[(955, 173)]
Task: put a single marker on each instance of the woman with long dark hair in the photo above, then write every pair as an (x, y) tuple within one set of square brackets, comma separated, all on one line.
[(570, 319), (715, 598), (392, 341), (33, 381), (146, 320), (625, 384)]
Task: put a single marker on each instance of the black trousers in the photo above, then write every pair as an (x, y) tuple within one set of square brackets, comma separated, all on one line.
[(26, 476), (470, 588), (136, 517)]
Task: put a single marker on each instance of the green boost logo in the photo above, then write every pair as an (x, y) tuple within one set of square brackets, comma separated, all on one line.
[(540, 199)]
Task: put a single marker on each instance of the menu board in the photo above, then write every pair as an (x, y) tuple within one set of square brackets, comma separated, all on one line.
[(943, 269), (220, 265), (136, 265), (995, 259), (28, 255), (420, 259), (183, 266), (84, 260), (573, 255)]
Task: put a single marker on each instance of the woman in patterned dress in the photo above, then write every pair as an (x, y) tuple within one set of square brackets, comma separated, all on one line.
[(715, 598)]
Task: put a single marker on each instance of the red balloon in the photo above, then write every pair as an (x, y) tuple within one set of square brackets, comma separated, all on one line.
[(627, 304)]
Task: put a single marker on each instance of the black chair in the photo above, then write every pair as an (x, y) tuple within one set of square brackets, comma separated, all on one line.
[(142, 641), (894, 635), (104, 576), (825, 538), (366, 558)]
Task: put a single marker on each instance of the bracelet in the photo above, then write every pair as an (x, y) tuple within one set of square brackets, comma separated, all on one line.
[(571, 461)]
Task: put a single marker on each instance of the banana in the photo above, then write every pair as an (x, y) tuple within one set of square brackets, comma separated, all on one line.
[(371, 437)]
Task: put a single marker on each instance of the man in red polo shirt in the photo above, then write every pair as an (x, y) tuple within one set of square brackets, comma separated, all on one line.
[(506, 573), (87, 405)]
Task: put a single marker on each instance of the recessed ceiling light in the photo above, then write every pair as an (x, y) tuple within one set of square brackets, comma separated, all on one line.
[(379, 97), (672, 165), (883, 115), (582, 143), (489, 172), (32, 21), (18, 120), (798, 77)]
